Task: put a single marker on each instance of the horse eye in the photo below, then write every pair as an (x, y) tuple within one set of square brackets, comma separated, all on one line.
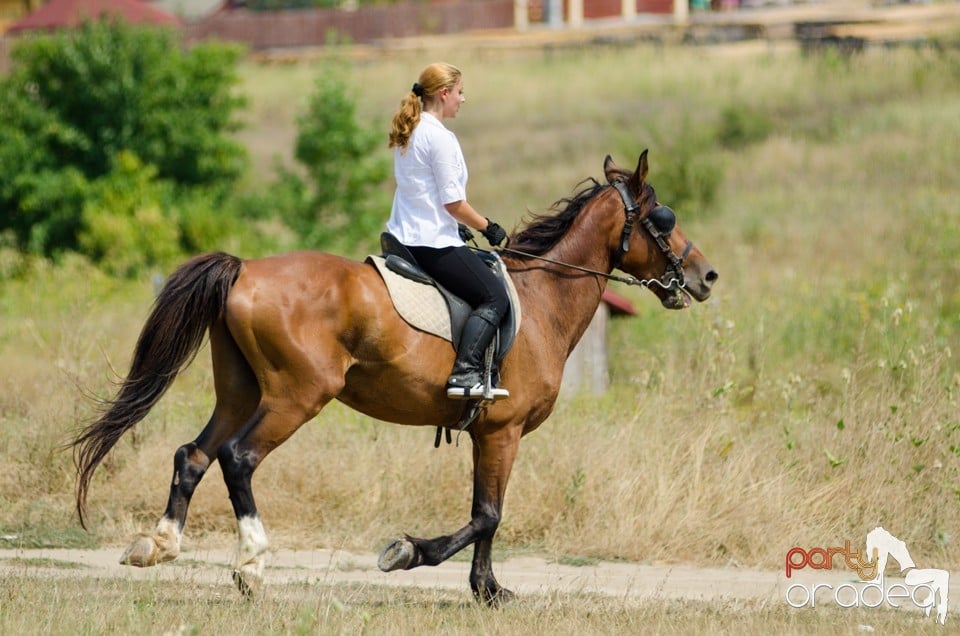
[(663, 219)]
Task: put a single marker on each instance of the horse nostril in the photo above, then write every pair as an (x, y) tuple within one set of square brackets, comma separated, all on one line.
[(711, 277)]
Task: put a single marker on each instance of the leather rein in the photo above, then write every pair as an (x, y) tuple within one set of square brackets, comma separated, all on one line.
[(672, 277)]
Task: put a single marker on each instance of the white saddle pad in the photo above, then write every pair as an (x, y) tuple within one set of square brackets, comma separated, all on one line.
[(422, 306)]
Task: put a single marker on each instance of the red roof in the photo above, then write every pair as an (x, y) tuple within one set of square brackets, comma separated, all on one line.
[(58, 14), (619, 306)]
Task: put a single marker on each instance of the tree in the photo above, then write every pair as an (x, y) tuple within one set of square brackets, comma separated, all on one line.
[(344, 203), (78, 101)]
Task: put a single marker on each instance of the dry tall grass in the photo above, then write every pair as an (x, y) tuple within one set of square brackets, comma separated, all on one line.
[(813, 398)]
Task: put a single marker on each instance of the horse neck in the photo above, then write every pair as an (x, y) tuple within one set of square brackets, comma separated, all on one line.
[(568, 295)]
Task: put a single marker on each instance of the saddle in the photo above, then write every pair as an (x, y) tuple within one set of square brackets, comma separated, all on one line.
[(426, 305), (397, 259)]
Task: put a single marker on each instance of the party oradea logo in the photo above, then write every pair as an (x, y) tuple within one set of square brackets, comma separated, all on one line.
[(925, 588)]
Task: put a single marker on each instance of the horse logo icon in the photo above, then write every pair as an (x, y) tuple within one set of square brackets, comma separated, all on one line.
[(882, 545)]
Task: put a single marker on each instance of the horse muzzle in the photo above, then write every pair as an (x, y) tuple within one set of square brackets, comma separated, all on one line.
[(698, 284)]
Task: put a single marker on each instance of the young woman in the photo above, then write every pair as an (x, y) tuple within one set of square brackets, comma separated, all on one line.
[(429, 202)]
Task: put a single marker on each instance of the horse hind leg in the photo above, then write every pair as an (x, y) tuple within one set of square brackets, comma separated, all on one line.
[(239, 457), (253, 543), (152, 548), (190, 464), (163, 544), (237, 395), (238, 464)]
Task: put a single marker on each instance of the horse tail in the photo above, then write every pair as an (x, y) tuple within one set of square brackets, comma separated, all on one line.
[(193, 298)]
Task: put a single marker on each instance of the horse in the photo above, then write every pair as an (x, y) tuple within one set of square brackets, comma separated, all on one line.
[(289, 333)]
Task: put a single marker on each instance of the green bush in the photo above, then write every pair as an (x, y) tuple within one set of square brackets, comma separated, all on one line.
[(77, 100), (48, 212), (741, 126), (687, 171), (127, 219)]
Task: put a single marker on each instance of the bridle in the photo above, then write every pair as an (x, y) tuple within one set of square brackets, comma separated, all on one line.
[(673, 276), (674, 271)]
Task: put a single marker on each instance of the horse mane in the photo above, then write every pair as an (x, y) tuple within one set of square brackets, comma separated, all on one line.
[(543, 231)]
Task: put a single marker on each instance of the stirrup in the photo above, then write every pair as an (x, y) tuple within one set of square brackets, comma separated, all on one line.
[(477, 391)]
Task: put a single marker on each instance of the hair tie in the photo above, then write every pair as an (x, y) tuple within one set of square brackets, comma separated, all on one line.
[(417, 89)]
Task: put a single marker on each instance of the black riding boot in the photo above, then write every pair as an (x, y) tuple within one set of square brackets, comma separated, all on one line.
[(466, 379)]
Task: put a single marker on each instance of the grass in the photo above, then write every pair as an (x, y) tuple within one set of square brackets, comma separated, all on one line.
[(813, 398), (149, 607)]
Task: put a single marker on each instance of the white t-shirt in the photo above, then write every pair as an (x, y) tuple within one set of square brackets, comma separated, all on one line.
[(429, 173)]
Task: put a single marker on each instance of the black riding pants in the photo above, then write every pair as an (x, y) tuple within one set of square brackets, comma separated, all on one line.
[(463, 273)]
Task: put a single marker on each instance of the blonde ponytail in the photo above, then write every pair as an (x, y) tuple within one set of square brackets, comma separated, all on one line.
[(404, 121), (432, 79)]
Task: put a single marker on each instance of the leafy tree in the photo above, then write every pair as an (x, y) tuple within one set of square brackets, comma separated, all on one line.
[(75, 102), (127, 219), (343, 204)]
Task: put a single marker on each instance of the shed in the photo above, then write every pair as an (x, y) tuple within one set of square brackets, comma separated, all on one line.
[(190, 10), (586, 368), (65, 14)]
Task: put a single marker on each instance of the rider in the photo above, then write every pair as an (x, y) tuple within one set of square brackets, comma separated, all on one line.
[(429, 201)]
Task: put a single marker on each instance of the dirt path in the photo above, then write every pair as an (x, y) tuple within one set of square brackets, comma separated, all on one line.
[(528, 575)]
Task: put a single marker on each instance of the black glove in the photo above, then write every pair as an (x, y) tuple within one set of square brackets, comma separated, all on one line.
[(494, 234), (465, 233)]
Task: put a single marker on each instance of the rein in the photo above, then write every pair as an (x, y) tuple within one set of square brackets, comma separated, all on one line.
[(673, 276), (627, 280)]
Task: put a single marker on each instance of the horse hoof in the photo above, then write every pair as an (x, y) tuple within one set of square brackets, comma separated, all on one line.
[(248, 582), (504, 597), (493, 595), (142, 553), (397, 556)]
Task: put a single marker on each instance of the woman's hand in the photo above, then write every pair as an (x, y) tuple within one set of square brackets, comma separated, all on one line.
[(494, 234)]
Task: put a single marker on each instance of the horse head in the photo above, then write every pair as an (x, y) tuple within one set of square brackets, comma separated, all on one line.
[(657, 250)]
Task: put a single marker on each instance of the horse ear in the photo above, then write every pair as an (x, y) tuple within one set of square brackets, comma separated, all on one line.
[(642, 167), (638, 177), (610, 169)]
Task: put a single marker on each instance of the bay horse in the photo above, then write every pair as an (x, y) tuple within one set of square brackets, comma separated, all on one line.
[(290, 333)]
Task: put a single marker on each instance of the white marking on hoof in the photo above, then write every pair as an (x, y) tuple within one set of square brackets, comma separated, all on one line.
[(253, 539), (248, 573), (141, 553), (168, 539), (397, 556), (148, 549)]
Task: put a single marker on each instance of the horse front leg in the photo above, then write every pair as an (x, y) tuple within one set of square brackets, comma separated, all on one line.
[(493, 457)]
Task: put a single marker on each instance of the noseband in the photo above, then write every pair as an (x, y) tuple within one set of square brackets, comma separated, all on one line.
[(674, 271)]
